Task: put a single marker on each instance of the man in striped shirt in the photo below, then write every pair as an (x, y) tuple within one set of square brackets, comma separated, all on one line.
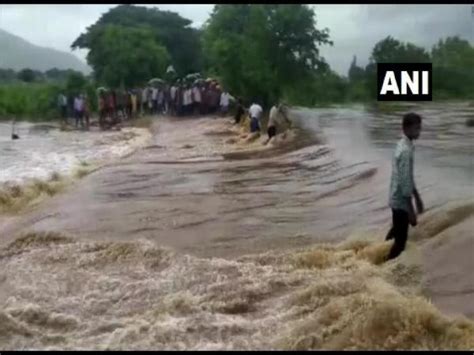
[(402, 186)]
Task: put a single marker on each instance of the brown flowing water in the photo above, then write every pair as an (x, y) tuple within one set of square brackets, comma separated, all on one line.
[(204, 241)]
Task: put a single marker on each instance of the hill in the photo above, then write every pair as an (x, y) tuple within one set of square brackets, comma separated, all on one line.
[(18, 54)]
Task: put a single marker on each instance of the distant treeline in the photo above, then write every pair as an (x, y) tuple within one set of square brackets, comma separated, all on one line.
[(258, 52), (265, 52), (10, 76), (33, 95)]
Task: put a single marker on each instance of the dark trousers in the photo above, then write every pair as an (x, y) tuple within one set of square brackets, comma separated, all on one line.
[(87, 119), (197, 109), (224, 110), (102, 115), (254, 125), (64, 113), (271, 132), (188, 109), (79, 118), (398, 232)]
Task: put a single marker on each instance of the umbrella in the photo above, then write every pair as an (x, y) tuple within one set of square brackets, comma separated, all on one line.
[(156, 80), (193, 76), (101, 89)]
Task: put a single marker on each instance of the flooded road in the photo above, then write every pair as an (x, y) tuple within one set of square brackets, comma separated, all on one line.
[(200, 228), (193, 190)]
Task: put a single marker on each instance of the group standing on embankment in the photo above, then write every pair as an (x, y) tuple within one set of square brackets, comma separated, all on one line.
[(181, 98)]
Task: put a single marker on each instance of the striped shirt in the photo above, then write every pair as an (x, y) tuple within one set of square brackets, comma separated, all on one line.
[(402, 182)]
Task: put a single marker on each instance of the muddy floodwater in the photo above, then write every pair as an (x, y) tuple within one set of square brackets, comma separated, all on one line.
[(201, 240)]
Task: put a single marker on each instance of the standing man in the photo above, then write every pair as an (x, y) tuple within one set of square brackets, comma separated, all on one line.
[(79, 110), (134, 99), (102, 105), (205, 98), (62, 104), (255, 112), (144, 101), (111, 104), (154, 100), (188, 100), (197, 99), (402, 186), (120, 103), (160, 100), (240, 111), (129, 105), (216, 98), (167, 99), (173, 91), (86, 110), (179, 99), (224, 102)]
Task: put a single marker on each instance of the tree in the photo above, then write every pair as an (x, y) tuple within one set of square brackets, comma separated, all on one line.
[(453, 52), (356, 73), (263, 50), (126, 55), (168, 29), (26, 75), (56, 74), (357, 84), (39, 75), (390, 50), (453, 73), (76, 82), (7, 75)]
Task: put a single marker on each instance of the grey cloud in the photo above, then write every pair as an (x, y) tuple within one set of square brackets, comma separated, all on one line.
[(354, 28), (362, 26)]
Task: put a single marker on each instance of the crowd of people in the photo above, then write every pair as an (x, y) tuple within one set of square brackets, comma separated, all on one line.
[(185, 99), (182, 98), (77, 106), (178, 99)]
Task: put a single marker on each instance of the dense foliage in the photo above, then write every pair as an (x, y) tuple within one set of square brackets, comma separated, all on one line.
[(36, 100), (140, 40), (258, 52), (263, 51)]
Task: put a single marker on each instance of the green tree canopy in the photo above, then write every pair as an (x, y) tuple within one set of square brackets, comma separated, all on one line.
[(453, 68), (56, 74), (75, 84), (453, 52), (263, 50), (125, 55), (7, 75), (390, 50), (356, 73), (166, 28), (26, 75)]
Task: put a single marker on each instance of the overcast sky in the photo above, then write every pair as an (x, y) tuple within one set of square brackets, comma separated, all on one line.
[(353, 28)]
